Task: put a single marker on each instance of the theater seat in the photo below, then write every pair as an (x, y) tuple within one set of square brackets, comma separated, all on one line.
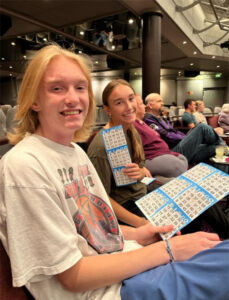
[(7, 291), (213, 121)]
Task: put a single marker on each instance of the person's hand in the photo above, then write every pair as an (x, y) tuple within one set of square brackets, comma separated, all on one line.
[(148, 234), (133, 171), (187, 245), (219, 130), (147, 172)]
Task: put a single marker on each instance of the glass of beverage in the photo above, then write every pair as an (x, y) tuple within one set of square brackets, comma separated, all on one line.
[(219, 151)]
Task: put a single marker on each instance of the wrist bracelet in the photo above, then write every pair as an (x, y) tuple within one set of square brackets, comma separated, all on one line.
[(169, 250)]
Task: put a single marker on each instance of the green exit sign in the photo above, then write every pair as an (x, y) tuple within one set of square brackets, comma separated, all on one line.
[(218, 75)]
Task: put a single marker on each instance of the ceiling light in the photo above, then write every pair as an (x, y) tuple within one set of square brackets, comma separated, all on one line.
[(3, 58), (80, 52), (24, 56), (45, 39), (113, 47), (213, 56), (194, 52), (191, 64), (130, 21), (184, 42), (11, 74), (10, 67), (218, 66), (96, 62), (81, 32), (13, 43)]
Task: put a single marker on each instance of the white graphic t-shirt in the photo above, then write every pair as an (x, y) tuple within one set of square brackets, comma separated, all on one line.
[(53, 211)]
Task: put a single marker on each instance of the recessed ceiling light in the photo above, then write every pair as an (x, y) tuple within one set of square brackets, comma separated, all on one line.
[(3, 58), (130, 21), (45, 39), (24, 56), (191, 64), (96, 62), (113, 47), (213, 56), (194, 52), (81, 32), (11, 67), (218, 66), (80, 52), (11, 74), (184, 42), (13, 43)]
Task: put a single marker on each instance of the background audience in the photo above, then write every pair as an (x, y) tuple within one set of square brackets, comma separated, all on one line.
[(224, 118)]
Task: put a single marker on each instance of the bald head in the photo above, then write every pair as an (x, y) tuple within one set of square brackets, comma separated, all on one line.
[(154, 103)]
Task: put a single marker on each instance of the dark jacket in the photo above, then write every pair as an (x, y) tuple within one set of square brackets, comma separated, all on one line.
[(169, 134)]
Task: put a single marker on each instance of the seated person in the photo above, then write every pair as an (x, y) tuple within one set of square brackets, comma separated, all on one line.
[(165, 113), (198, 114), (56, 221), (200, 117), (188, 118), (197, 146), (160, 160), (224, 118), (120, 104), (2, 123)]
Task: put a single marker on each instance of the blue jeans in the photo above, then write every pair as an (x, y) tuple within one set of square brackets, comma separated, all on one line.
[(199, 144), (204, 276)]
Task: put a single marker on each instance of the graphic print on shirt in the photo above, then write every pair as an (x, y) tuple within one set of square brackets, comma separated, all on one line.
[(94, 220)]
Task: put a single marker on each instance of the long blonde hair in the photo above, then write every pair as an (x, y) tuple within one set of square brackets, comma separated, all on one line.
[(138, 152), (27, 118)]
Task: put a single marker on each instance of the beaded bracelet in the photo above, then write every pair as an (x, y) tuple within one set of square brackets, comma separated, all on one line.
[(169, 250)]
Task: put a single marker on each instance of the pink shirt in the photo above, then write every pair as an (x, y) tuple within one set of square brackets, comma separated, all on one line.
[(152, 142)]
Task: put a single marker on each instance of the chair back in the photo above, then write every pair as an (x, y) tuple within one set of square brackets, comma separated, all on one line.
[(213, 121), (7, 291)]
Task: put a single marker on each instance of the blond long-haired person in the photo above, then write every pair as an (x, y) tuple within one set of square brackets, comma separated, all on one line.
[(56, 222)]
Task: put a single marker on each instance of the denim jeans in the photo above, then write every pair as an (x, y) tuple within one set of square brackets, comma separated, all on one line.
[(199, 144)]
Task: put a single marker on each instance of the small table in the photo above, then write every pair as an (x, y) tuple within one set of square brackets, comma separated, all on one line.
[(222, 165), (225, 137)]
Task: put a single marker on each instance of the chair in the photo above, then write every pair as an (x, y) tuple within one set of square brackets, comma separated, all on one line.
[(217, 109), (213, 121), (7, 291), (207, 111)]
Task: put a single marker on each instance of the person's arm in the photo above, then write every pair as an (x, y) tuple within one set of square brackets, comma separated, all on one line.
[(126, 216), (95, 271), (188, 120)]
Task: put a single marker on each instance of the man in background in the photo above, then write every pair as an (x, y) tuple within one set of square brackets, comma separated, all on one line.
[(188, 119), (198, 146)]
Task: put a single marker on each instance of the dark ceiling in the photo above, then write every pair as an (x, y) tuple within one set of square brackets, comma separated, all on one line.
[(99, 29)]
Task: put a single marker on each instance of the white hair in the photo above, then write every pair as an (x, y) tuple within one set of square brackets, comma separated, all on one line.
[(150, 97), (225, 108)]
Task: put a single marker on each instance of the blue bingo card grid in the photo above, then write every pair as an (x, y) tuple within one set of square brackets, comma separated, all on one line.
[(118, 153), (182, 199)]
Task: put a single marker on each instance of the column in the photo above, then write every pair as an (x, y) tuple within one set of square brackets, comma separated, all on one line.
[(151, 53)]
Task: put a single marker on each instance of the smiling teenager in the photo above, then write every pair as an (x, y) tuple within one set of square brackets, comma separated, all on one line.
[(56, 221), (120, 104)]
